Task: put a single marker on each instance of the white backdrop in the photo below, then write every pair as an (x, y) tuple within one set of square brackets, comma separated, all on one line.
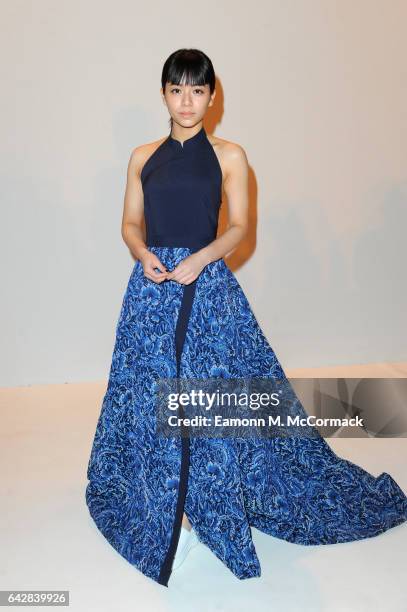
[(314, 90)]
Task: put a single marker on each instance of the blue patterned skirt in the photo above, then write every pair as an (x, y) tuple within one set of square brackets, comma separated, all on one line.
[(140, 483)]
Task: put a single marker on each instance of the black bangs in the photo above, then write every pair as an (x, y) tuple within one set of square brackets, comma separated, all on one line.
[(188, 67)]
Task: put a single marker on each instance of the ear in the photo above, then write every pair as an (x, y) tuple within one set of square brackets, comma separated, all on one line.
[(213, 96)]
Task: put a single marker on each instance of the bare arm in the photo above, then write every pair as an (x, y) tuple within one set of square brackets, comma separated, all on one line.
[(133, 212), (133, 209)]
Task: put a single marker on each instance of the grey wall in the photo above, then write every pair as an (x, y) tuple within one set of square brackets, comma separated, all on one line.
[(314, 90)]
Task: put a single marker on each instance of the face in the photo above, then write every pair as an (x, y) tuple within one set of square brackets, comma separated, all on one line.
[(187, 104)]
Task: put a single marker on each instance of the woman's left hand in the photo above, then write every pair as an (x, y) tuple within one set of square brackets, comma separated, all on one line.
[(188, 269)]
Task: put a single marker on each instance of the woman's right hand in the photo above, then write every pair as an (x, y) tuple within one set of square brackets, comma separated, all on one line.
[(149, 261)]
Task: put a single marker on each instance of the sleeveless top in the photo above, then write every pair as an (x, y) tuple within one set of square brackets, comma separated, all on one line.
[(182, 187)]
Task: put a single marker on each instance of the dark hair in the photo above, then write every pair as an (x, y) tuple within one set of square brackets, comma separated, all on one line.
[(189, 66)]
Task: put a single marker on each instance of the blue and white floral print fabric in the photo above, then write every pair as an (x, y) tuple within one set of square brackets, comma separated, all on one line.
[(296, 489)]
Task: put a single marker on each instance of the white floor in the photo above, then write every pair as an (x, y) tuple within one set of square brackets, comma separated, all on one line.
[(49, 541)]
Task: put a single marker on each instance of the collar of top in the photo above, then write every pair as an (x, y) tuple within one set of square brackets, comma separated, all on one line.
[(189, 143)]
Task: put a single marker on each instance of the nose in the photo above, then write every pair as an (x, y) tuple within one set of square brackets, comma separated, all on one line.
[(186, 99)]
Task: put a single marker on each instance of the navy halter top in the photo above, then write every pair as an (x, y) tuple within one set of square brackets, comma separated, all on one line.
[(182, 187)]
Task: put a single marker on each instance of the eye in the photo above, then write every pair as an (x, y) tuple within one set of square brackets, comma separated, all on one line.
[(198, 89)]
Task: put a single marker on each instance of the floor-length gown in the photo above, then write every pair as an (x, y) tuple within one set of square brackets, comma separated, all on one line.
[(140, 483)]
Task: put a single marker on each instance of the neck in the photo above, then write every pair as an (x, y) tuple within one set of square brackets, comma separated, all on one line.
[(183, 133)]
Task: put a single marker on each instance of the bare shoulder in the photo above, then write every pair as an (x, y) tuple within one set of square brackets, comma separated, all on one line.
[(140, 154), (227, 148), (231, 155)]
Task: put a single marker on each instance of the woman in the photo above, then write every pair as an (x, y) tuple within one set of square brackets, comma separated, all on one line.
[(185, 316)]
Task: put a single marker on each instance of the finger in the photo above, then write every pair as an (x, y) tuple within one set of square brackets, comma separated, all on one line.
[(154, 277), (177, 273), (152, 270), (190, 280), (182, 278), (157, 281), (170, 275), (162, 270), (157, 264), (186, 279), (149, 276)]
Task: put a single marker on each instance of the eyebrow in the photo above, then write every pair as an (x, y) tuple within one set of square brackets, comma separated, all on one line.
[(176, 85)]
